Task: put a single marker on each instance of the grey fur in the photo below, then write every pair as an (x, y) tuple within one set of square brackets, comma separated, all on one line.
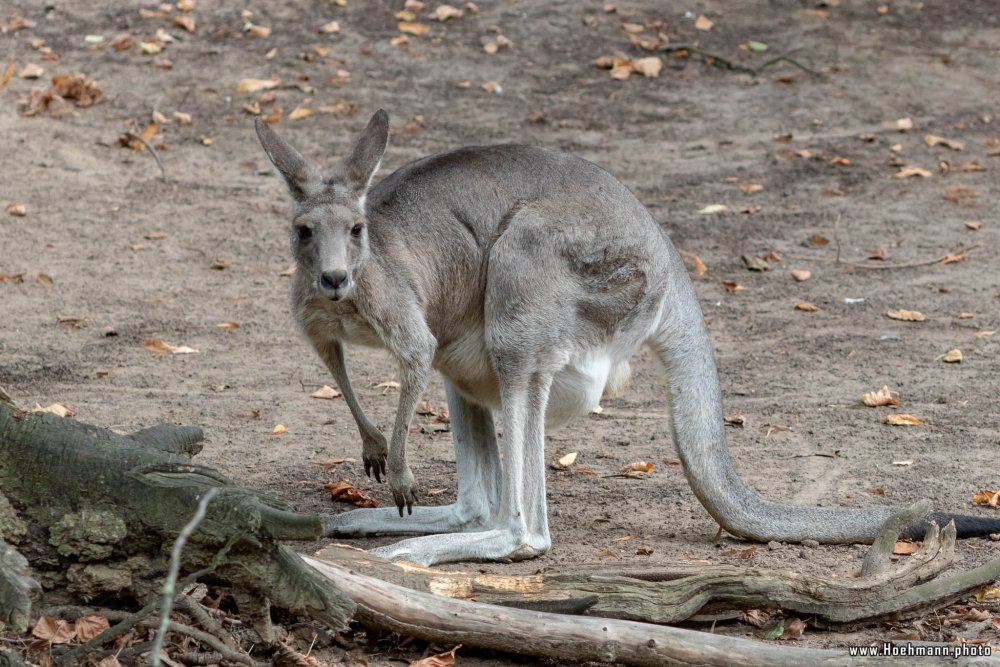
[(528, 278)]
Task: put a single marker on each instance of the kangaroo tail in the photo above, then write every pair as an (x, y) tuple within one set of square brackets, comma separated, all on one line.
[(695, 402)]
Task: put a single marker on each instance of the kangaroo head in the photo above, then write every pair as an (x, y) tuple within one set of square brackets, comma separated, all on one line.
[(329, 233)]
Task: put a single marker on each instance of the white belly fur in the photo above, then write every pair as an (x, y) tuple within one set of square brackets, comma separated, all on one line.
[(578, 387)]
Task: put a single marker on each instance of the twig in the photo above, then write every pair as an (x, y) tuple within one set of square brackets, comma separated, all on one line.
[(958, 254), (205, 620), (175, 567), (228, 653), (726, 64), (877, 560), (152, 151)]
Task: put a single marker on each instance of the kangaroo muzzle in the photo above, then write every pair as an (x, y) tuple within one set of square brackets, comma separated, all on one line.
[(335, 283)]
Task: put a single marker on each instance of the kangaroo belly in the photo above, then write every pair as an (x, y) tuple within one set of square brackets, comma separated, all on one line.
[(578, 387)]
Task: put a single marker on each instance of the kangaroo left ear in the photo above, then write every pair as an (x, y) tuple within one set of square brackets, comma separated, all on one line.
[(363, 162), (301, 177)]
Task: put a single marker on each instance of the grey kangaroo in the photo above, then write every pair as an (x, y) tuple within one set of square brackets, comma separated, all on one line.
[(528, 278)]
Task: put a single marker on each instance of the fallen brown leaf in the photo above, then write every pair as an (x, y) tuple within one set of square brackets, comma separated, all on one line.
[(159, 345), (336, 461), (906, 315), (59, 409), (907, 172), (879, 398), (793, 629), (342, 492), (732, 286), (413, 28), (905, 548), (953, 356), (703, 23), (960, 194), (637, 469), (606, 553), (801, 275), (806, 307), (840, 160), (330, 27), (445, 13), (699, 266), (257, 85), (989, 498), (17, 210), (934, 140), (817, 239), (7, 74), (186, 22), (53, 630), (279, 429), (902, 419), (88, 627), (299, 113), (228, 325)]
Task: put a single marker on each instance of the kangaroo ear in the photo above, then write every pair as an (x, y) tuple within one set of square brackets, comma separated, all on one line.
[(361, 165), (302, 177)]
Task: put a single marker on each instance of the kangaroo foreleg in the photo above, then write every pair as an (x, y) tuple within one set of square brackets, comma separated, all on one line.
[(374, 447), (478, 463)]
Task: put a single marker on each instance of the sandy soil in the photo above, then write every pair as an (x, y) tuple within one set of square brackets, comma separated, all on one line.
[(683, 141)]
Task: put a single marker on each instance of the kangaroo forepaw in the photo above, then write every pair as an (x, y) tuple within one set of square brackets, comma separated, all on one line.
[(374, 452), (403, 487)]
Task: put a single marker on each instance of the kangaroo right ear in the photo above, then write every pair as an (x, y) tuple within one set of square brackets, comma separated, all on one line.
[(361, 165), (303, 179)]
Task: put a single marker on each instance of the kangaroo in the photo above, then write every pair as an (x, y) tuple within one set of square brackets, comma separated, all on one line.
[(528, 278)]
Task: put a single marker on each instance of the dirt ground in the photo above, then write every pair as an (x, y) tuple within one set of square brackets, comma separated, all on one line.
[(171, 259)]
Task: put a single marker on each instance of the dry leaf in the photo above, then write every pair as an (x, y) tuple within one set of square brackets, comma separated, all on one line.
[(445, 12), (492, 87), (934, 140), (31, 71), (699, 266), (413, 28), (966, 316), (959, 194), (805, 306), (606, 553), (905, 548), (714, 208), (568, 460), (840, 160), (907, 172), (69, 321), (336, 461), (988, 593), (649, 67), (793, 629), (902, 419), (186, 22), (637, 469), (7, 74), (973, 165), (388, 384), (903, 124), (53, 630), (17, 210), (756, 617), (155, 234), (990, 498), (953, 356), (13, 277), (330, 28), (907, 462), (258, 31), (228, 325), (159, 345), (219, 264), (279, 429), (257, 85), (343, 492), (751, 187), (983, 334), (340, 108), (754, 263), (299, 112), (326, 392), (88, 627), (58, 409), (732, 286), (881, 397), (703, 23), (434, 491), (906, 315), (643, 551), (738, 421), (819, 240), (801, 275)]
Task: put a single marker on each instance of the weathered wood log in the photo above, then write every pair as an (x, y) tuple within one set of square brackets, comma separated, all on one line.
[(558, 636), (683, 592), (17, 589), (102, 509)]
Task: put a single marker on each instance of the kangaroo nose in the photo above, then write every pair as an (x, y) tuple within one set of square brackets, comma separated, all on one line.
[(334, 279)]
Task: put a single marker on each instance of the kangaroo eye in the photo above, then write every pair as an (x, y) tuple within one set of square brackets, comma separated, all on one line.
[(356, 230), (304, 233)]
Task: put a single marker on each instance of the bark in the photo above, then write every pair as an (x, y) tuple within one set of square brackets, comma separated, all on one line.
[(103, 509)]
